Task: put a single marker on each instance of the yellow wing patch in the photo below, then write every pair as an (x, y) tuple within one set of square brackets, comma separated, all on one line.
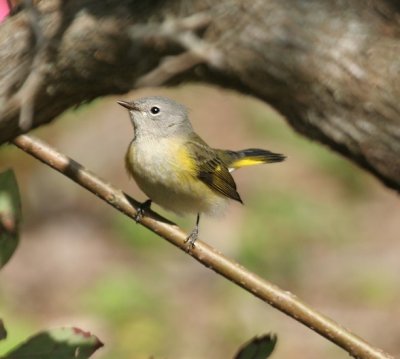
[(185, 160), (203, 163), (128, 164)]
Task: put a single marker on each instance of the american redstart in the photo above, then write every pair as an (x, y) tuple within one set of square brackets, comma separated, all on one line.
[(175, 168)]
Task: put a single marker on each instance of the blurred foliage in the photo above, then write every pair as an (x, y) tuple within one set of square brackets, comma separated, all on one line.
[(135, 235), (129, 305), (118, 294), (18, 329), (3, 331), (281, 227), (371, 284), (10, 215), (321, 158), (258, 348), (63, 343)]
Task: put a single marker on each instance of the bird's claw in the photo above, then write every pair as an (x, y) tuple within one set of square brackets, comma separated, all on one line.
[(192, 238), (143, 207)]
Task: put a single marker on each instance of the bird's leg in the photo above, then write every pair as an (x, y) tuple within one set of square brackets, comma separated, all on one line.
[(192, 237), (143, 207)]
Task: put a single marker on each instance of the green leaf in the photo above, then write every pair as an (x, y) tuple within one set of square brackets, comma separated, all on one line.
[(10, 215), (62, 343), (3, 331), (258, 347)]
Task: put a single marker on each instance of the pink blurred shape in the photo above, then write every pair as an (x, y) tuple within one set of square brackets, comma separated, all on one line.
[(4, 9)]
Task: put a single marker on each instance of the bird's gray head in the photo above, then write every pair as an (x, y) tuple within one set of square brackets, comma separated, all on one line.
[(157, 117)]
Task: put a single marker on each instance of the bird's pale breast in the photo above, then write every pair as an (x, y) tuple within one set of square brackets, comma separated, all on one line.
[(166, 173)]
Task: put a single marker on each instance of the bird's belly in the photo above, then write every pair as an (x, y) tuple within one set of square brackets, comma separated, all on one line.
[(170, 183)]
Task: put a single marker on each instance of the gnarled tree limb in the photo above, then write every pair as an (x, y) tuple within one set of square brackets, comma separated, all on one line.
[(330, 67)]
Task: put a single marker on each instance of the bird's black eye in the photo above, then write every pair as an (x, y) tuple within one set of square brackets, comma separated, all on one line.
[(155, 110)]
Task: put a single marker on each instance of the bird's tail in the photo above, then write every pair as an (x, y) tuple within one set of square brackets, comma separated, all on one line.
[(248, 157)]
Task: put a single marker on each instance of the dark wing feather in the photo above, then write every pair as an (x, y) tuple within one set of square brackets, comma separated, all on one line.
[(210, 169)]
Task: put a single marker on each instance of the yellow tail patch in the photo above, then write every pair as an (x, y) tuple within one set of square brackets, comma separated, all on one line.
[(248, 161)]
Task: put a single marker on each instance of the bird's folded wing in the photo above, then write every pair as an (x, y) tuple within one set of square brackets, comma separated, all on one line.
[(210, 169)]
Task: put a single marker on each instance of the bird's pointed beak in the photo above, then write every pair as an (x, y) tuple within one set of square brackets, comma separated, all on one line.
[(129, 105)]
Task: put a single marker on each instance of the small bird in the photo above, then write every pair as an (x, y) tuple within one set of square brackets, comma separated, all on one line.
[(175, 168)]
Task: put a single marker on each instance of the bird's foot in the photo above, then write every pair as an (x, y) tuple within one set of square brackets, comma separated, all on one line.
[(143, 207), (192, 237)]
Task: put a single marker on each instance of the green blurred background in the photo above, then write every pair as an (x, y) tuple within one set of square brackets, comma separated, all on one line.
[(315, 225)]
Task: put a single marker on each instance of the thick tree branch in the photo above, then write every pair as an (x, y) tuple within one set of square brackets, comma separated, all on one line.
[(182, 32), (331, 67), (208, 256), (168, 68)]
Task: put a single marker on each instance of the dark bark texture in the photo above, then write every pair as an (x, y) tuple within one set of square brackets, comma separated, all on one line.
[(331, 67)]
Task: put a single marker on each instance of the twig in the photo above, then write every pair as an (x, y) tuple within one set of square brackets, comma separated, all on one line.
[(168, 68), (25, 97), (210, 257), (183, 33), (34, 18)]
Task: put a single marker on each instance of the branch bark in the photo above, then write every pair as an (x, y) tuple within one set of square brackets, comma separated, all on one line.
[(331, 67), (284, 301)]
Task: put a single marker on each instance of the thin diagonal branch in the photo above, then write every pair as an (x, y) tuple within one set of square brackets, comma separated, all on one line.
[(284, 301)]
